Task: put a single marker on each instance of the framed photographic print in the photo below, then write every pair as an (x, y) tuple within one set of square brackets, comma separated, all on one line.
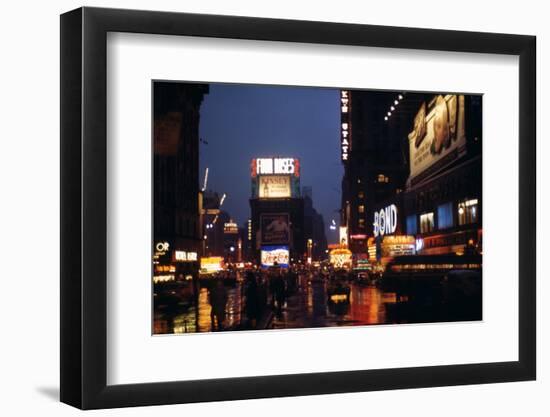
[(257, 207)]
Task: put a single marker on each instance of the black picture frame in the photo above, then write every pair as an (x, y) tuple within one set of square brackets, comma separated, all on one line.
[(84, 207)]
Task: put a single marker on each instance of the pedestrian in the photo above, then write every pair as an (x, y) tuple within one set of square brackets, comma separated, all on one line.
[(218, 301), (251, 299), (277, 284)]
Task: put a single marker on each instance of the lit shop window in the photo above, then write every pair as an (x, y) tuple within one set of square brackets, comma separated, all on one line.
[(383, 178), (426, 222), (412, 226), (445, 216), (468, 212), (361, 209)]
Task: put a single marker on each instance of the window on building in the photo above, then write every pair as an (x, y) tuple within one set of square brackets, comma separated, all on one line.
[(426, 222), (361, 223), (445, 216), (361, 209), (412, 226), (383, 178), (361, 194), (468, 212)]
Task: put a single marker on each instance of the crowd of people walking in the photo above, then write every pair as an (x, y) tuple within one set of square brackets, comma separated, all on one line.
[(264, 293)]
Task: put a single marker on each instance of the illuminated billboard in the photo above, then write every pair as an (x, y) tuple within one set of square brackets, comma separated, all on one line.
[(275, 166), (230, 228), (274, 186), (343, 234), (272, 254), (275, 228), (438, 137), (211, 264), (340, 258)]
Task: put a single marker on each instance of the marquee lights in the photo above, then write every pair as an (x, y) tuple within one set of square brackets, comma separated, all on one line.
[(392, 108)]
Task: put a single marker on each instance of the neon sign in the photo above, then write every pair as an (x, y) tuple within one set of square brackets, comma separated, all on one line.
[(345, 137), (385, 221)]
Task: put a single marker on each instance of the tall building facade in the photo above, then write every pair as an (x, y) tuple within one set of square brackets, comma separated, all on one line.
[(412, 172), (276, 211), (314, 227), (176, 198)]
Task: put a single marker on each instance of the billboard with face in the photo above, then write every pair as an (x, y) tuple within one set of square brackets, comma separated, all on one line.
[(438, 137), (275, 228)]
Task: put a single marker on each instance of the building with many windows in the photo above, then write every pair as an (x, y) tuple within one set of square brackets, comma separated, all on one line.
[(413, 173)]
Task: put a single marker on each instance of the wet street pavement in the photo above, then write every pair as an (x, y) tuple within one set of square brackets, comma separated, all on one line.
[(308, 306)]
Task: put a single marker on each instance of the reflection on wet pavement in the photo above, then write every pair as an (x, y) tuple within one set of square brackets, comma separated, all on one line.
[(309, 306)]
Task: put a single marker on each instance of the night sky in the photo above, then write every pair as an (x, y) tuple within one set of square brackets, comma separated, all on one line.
[(241, 122)]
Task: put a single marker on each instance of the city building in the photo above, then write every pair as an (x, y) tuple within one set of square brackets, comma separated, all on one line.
[(412, 173), (443, 198), (314, 227), (276, 211), (176, 199), (374, 156)]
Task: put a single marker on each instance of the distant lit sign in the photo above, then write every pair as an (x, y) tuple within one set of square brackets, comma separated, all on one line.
[(397, 245), (345, 138), (343, 235), (274, 186), (211, 264), (272, 254), (183, 256), (230, 228), (274, 166), (340, 258), (385, 221), (162, 247), (358, 237)]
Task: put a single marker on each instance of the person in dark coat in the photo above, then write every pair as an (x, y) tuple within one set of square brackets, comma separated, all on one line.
[(252, 306), (218, 301)]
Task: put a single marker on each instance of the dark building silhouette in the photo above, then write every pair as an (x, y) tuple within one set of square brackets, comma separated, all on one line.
[(176, 211), (314, 226), (260, 209)]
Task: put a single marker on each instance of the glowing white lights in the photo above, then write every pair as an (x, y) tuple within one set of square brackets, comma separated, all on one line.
[(205, 179), (385, 221), (345, 137), (183, 256), (392, 108)]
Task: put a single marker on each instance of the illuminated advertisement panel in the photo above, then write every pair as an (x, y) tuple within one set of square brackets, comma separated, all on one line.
[(230, 228), (275, 228), (274, 186), (272, 254), (211, 264), (438, 137)]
